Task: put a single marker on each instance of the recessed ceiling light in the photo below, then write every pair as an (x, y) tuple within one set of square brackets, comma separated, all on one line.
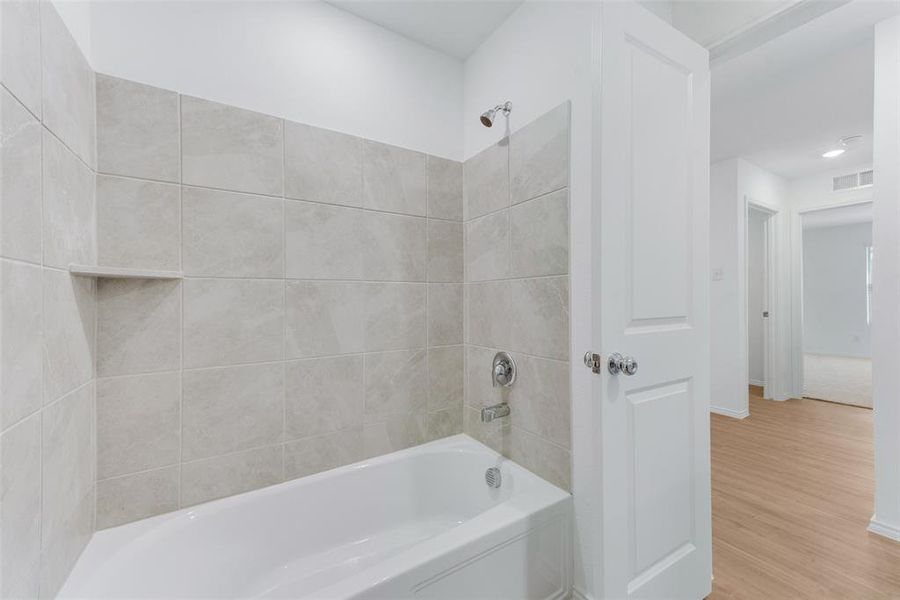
[(833, 153)]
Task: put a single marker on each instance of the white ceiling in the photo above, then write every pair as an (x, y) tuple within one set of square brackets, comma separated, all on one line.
[(784, 103), (456, 27)]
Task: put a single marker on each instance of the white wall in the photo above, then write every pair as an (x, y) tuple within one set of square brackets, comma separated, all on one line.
[(756, 293), (543, 54), (834, 290), (304, 61), (734, 183)]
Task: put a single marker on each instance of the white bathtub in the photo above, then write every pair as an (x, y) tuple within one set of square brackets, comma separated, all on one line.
[(420, 523)]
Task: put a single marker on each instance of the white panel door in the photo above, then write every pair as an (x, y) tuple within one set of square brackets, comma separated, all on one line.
[(652, 300)]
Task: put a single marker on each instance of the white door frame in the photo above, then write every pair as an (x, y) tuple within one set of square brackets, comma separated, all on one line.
[(768, 256), (797, 280)]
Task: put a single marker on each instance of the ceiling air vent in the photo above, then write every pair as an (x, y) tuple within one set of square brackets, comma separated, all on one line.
[(852, 181)]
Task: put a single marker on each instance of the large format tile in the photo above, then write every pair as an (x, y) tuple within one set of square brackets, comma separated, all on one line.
[(138, 132), (20, 509), (322, 165), (230, 409), (323, 242), (324, 318), (68, 207), (323, 395), (138, 423), (539, 236), (69, 107), (230, 148), (538, 317), (445, 189), (539, 156), (21, 350), (395, 384), (489, 316), (67, 508), (445, 314), (445, 378), (138, 224), (394, 247), (321, 453), (206, 480), (230, 321), (393, 179), (487, 247), (445, 423), (541, 457), (20, 51), (20, 186), (395, 316), (232, 235), (445, 251), (395, 433), (69, 307), (137, 496), (139, 326), (487, 180)]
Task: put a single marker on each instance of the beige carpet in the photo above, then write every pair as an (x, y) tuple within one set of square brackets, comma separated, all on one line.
[(838, 379)]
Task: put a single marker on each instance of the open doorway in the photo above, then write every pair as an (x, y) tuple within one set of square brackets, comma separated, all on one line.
[(837, 258), (758, 286)]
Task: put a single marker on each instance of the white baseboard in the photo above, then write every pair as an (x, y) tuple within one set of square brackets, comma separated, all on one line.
[(579, 595), (758, 382), (730, 412), (883, 529)]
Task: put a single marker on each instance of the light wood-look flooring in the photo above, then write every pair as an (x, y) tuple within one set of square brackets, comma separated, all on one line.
[(792, 489)]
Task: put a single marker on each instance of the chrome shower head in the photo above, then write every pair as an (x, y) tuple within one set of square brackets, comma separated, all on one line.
[(487, 117)]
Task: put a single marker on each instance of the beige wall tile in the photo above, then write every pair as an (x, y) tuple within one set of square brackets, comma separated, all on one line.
[(322, 165), (539, 156), (487, 180), (69, 106), (69, 307), (445, 188), (232, 321), (393, 179), (68, 207), (541, 457), (445, 314), (21, 358), (479, 384), (323, 395), (539, 236), (139, 326), (138, 423), (138, 223), (20, 160), (445, 423), (445, 378), (323, 242), (539, 399), (538, 317), (487, 247), (489, 317), (230, 409), (67, 509), (394, 247), (138, 496), (206, 480), (20, 51), (395, 384), (232, 235), (395, 316), (138, 132), (20, 510), (230, 148), (324, 318), (445, 251), (321, 453), (395, 433)]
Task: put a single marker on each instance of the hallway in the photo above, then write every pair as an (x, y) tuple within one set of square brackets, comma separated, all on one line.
[(792, 490)]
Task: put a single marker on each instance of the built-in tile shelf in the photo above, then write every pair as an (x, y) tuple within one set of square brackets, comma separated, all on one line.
[(122, 272)]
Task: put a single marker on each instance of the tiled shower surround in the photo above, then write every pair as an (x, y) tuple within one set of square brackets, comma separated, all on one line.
[(320, 316), (341, 299)]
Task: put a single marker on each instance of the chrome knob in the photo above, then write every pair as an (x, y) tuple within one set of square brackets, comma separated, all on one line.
[(621, 364)]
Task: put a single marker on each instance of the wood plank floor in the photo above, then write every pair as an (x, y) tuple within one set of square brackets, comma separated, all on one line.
[(792, 489)]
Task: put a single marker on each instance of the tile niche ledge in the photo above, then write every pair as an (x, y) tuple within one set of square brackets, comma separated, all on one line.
[(105, 272)]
